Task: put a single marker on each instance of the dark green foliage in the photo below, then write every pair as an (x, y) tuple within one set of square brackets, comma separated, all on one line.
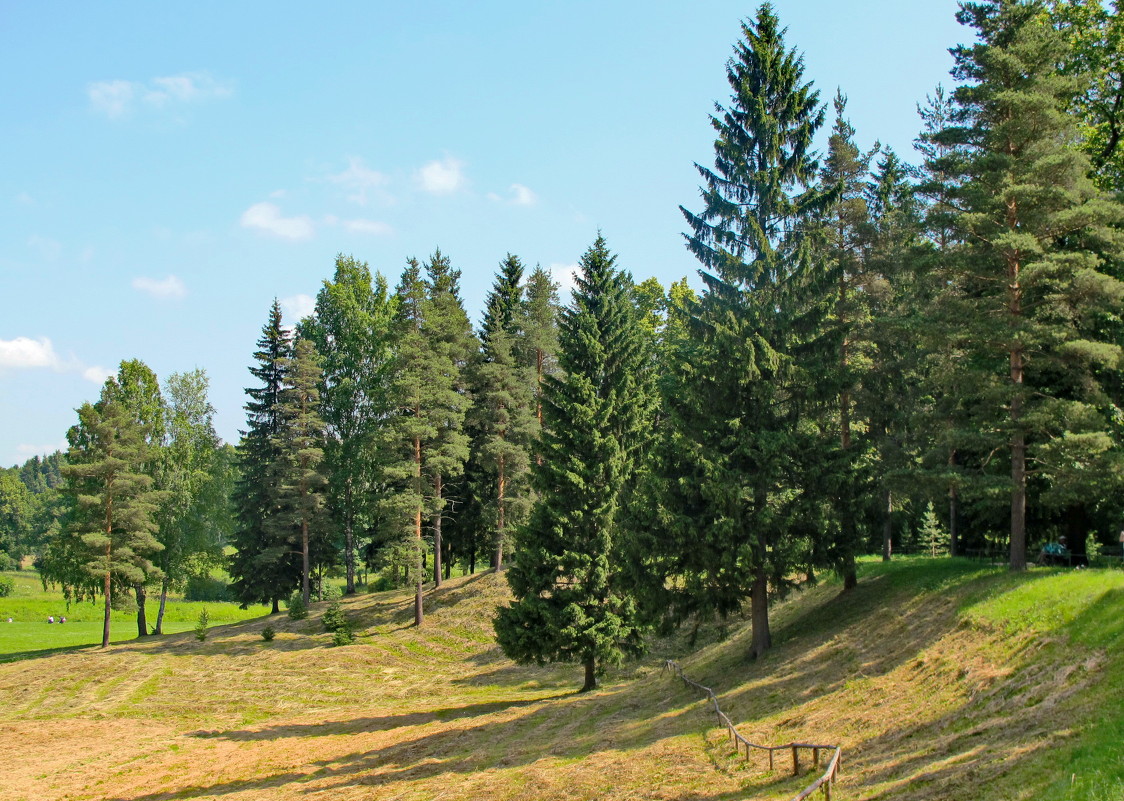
[(1028, 298), (206, 588), (334, 618), (202, 625), (263, 568), (343, 636), (745, 433), (566, 574), (268, 633), (6, 586), (298, 609)]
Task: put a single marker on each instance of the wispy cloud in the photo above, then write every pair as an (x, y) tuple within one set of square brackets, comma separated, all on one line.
[(118, 98), (520, 196), (25, 353), (298, 307), (360, 180), (267, 217), (565, 275), (46, 248), (164, 288), (442, 177)]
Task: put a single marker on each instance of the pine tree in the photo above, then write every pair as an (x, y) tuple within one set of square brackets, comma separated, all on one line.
[(537, 343), (352, 329), (1031, 278), (300, 518), (263, 569), (743, 422), (111, 534), (566, 573)]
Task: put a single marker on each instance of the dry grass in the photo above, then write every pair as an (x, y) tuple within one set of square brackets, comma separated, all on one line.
[(927, 701)]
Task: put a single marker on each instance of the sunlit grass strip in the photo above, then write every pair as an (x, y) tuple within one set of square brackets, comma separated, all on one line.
[(824, 781)]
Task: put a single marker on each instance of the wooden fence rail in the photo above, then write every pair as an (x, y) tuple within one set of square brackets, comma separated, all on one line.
[(825, 780)]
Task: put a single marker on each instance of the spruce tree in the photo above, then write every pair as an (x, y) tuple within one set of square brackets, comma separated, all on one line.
[(1031, 279), (537, 342), (742, 421), (263, 569), (301, 517), (566, 573)]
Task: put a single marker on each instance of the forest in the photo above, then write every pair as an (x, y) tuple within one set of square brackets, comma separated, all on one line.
[(890, 353)]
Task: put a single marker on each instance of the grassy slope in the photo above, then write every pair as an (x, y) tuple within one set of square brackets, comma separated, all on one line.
[(940, 679)]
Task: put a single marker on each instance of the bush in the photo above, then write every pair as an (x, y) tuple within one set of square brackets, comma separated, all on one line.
[(330, 592), (334, 619), (297, 608), (201, 626), (268, 634), (344, 636), (7, 586), (8, 562), (205, 588)]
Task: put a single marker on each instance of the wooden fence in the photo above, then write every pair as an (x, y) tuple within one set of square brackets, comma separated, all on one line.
[(823, 782)]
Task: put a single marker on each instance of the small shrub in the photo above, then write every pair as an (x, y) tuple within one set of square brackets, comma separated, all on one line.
[(334, 618), (7, 586), (205, 588), (8, 562), (330, 592), (343, 636), (201, 626), (268, 633), (382, 584), (297, 608)]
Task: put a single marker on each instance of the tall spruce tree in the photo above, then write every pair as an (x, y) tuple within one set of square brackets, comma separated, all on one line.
[(566, 573), (743, 421), (537, 342), (300, 519), (1031, 278), (263, 569), (352, 328)]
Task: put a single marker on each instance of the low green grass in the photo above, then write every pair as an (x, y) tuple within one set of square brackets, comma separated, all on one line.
[(29, 606)]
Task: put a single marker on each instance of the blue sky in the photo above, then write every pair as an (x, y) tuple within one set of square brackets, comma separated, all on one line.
[(169, 169)]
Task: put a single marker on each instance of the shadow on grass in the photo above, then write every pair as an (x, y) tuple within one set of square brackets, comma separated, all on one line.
[(19, 656)]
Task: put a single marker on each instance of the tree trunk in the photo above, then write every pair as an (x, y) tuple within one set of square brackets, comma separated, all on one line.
[(1018, 436), (437, 533), (501, 483), (953, 539), (276, 608), (888, 528), (419, 612), (1077, 534), (163, 602), (349, 540), (305, 584), (142, 620), (108, 604), (590, 675), (850, 572), (759, 614)]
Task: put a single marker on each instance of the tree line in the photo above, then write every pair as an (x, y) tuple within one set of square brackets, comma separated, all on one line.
[(881, 353)]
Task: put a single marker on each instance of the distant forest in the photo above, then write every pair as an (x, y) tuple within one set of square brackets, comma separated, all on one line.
[(886, 356)]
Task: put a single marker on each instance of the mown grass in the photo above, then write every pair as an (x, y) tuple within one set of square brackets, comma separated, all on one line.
[(941, 679)]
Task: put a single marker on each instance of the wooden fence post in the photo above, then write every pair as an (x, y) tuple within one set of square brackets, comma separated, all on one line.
[(795, 762)]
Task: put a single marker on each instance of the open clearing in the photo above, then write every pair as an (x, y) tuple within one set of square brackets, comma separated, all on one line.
[(941, 680)]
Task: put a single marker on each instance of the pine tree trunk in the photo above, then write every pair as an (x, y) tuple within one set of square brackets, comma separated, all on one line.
[(1077, 534), (850, 571), (349, 540), (1018, 436), (501, 483), (437, 533), (590, 675), (759, 614), (108, 589), (953, 503), (163, 603), (888, 527), (419, 612), (142, 620), (306, 593)]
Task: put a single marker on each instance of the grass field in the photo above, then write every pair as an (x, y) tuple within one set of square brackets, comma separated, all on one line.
[(30, 605), (941, 679)]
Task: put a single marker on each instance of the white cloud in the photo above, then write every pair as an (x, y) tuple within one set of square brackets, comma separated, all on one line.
[(565, 275), (298, 307), (368, 227), (523, 195), (359, 179), (170, 287), (97, 374), (267, 217), (117, 98), (24, 199), (442, 177), (23, 352)]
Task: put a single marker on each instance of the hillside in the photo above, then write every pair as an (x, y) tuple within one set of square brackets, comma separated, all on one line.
[(941, 679)]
